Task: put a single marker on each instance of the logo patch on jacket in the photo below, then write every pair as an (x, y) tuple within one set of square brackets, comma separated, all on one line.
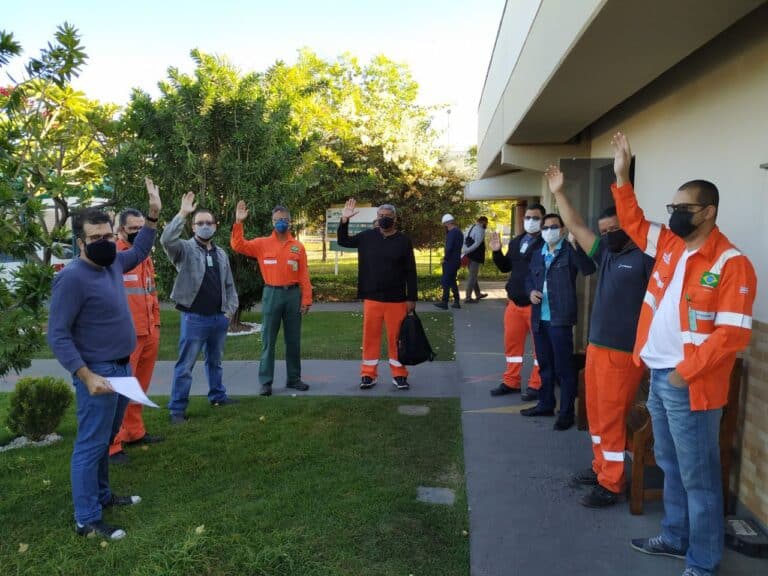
[(709, 279), (295, 249)]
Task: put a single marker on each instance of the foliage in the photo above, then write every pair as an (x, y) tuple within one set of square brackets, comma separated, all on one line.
[(210, 132), (37, 406), (52, 141)]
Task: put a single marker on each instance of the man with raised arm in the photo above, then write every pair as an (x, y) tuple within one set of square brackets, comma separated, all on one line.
[(204, 292), (287, 292), (386, 283), (611, 375), (696, 316), (91, 333)]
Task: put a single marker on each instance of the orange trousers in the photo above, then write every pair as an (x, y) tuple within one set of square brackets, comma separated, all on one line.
[(376, 314), (612, 380), (142, 365), (517, 325)]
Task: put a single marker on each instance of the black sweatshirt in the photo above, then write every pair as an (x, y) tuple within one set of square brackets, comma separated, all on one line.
[(386, 265)]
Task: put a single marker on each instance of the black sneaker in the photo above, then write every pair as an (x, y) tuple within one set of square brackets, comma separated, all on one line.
[(226, 401), (401, 383), (119, 458), (482, 295), (536, 411), (442, 305), (146, 439), (298, 385), (367, 382), (177, 419), (529, 395), (587, 477), (100, 528), (122, 501), (599, 497), (502, 390), (657, 547), (456, 305), (563, 423), (266, 390)]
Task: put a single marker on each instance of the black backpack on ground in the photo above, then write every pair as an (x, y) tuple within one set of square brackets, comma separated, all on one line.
[(412, 344)]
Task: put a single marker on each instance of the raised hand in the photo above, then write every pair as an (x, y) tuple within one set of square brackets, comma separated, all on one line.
[(242, 211), (188, 204), (155, 204), (622, 158), (349, 210), (495, 242), (555, 179)]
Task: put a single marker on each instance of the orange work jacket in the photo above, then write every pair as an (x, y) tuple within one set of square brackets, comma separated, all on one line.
[(281, 263), (719, 288), (141, 291)]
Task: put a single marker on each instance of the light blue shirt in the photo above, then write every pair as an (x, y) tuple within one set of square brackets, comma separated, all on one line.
[(546, 315)]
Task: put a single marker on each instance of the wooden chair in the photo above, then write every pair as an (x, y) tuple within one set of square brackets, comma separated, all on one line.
[(640, 435)]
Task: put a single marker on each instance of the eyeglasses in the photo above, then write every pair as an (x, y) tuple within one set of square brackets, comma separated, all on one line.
[(611, 229), (553, 227), (97, 237), (286, 220), (534, 218), (672, 208), (205, 223)]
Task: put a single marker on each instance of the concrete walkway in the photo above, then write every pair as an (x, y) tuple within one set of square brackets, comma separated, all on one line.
[(524, 518)]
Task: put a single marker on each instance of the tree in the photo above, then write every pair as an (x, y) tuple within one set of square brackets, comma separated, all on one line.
[(42, 151), (213, 133)]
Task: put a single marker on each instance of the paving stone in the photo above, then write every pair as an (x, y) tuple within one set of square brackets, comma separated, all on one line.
[(413, 410), (432, 495)]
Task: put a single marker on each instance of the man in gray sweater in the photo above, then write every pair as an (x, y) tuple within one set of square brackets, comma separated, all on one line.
[(204, 292), (91, 333)]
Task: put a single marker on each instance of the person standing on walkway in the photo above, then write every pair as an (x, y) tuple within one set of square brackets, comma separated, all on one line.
[(204, 292), (551, 284), (287, 293), (454, 240), (140, 288), (612, 377), (474, 250), (386, 283), (696, 316), (92, 336), (517, 315)]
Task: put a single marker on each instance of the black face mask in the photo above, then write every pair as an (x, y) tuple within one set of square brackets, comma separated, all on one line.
[(101, 252), (385, 222), (616, 240), (132, 237), (680, 223)]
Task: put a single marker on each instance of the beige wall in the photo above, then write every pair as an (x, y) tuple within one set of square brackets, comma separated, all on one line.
[(708, 118)]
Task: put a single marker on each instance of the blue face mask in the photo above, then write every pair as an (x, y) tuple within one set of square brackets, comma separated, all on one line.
[(282, 226)]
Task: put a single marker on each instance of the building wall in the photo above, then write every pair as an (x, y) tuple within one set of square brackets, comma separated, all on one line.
[(708, 118)]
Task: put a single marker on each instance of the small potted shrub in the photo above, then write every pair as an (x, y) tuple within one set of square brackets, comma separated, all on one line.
[(37, 406)]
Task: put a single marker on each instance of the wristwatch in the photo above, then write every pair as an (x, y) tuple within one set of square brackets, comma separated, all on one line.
[(150, 219)]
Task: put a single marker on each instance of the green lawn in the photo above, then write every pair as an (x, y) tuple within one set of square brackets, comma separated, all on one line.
[(324, 335), (278, 487)]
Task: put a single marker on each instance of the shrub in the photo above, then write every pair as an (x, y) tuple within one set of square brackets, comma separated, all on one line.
[(38, 405)]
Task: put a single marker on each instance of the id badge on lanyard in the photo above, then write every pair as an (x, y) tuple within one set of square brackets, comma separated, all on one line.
[(209, 260)]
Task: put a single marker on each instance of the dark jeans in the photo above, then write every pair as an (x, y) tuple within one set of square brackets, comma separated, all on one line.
[(98, 420), (449, 283), (198, 332), (554, 351)]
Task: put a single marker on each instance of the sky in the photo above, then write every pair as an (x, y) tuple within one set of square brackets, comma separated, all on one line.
[(447, 44)]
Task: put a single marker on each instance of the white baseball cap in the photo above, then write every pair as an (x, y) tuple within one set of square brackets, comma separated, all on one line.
[(447, 218)]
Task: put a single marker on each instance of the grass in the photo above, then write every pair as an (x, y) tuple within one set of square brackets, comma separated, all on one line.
[(324, 336), (278, 487)]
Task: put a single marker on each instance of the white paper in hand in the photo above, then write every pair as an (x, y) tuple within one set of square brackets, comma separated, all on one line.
[(130, 388)]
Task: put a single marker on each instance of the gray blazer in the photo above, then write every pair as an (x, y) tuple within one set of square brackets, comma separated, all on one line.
[(190, 265)]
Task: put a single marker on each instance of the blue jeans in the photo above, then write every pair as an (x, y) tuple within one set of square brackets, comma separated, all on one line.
[(686, 446), (554, 351), (206, 333), (98, 421)]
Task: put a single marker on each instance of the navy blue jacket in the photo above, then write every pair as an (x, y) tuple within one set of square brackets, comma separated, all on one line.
[(516, 261), (561, 283)]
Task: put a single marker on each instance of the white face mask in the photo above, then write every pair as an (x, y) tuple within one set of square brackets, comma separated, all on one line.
[(532, 226), (551, 236)]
